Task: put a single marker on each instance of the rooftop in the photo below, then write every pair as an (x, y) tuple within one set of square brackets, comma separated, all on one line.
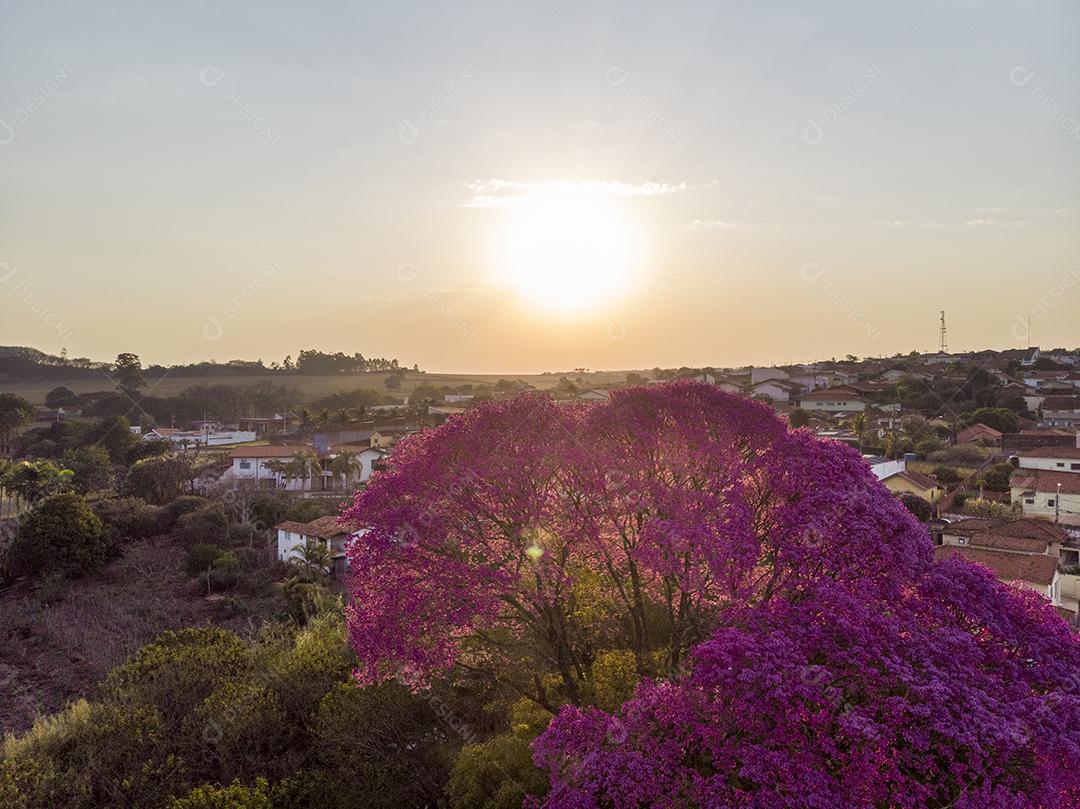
[(1031, 568)]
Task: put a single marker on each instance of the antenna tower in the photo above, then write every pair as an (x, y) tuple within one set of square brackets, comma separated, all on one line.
[(943, 343)]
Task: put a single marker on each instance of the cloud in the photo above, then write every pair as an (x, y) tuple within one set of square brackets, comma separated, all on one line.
[(495, 193)]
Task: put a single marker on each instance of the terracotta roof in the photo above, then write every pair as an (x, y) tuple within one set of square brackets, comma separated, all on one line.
[(1033, 529), (916, 479), (975, 432), (323, 527), (832, 394), (1051, 452), (1037, 480), (270, 451), (1004, 542), (1033, 568), (970, 526)]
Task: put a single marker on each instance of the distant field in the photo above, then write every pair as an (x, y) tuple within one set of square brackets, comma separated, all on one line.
[(310, 387)]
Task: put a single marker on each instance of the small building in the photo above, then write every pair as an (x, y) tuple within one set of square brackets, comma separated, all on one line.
[(1051, 459), (907, 481), (254, 465), (1053, 496), (293, 537), (777, 390), (980, 434), (833, 400)]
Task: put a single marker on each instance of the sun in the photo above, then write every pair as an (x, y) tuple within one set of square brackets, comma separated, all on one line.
[(567, 251)]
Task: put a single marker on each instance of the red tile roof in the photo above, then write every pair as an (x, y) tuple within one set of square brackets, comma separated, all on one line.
[(1051, 452), (916, 479), (1044, 482), (1033, 529), (975, 432), (1004, 542), (323, 527), (1032, 568)]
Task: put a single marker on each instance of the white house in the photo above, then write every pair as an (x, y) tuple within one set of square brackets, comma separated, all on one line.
[(764, 374), (1047, 495), (777, 390), (250, 464), (833, 400), (200, 438), (1051, 459), (366, 460), (293, 537)]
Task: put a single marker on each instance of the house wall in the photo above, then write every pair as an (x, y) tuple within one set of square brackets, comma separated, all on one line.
[(774, 393), (763, 374), (1051, 464), (834, 405), (1042, 508), (900, 486)]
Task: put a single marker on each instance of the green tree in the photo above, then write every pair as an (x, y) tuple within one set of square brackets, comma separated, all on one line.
[(61, 397), (114, 434), (798, 418), (129, 374), (161, 479), (15, 413), (999, 418), (345, 465), (91, 466), (62, 535), (33, 481), (234, 796)]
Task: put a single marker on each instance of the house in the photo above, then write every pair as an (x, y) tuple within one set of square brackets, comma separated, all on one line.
[(979, 434), (777, 390), (292, 537), (160, 433), (1050, 495), (1038, 572), (595, 395), (833, 400), (811, 381), (367, 459), (765, 374), (257, 465), (1051, 459), (894, 375), (907, 481), (1064, 419)]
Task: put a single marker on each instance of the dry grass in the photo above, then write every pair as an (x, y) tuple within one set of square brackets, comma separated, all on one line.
[(52, 651)]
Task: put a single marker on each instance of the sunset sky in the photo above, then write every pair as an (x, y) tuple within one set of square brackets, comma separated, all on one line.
[(722, 184)]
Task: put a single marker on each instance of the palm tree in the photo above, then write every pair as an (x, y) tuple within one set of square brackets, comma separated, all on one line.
[(303, 466), (315, 556), (345, 463), (278, 467)]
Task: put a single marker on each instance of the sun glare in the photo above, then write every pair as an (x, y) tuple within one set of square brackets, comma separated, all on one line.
[(567, 251)]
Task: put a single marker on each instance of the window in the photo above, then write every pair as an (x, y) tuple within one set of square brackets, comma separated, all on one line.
[(961, 540), (1049, 501), (1029, 501), (1075, 466), (245, 464), (1061, 464)]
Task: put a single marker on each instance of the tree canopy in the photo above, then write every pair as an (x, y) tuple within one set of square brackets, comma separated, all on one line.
[(792, 641)]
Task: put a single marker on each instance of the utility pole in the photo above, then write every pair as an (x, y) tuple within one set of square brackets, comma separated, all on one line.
[(1057, 504), (943, 344)]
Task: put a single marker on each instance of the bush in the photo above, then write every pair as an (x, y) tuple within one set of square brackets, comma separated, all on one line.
[(208, 525), (921, 508), (92, 468), (234, 796), (946, 475), (169, 513), (497, 774), (127, 517), (60, 535)]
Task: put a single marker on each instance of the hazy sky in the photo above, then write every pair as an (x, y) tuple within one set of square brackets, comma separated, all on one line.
[(244, 179)]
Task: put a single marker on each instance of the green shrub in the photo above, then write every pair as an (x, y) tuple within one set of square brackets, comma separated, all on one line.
[(497, 774), (234, 796), (127, 517), (60, 535), (208, 525), (169, 513)]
